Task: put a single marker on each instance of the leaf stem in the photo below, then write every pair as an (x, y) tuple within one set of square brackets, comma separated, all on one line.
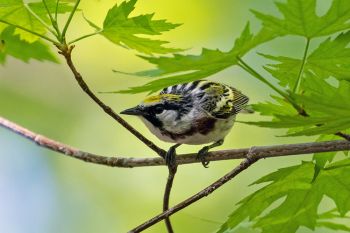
[(297, 83), (28, 30), (253, 72), (56, 10), (86, 36), (40, 20), (53, 21), (69, 20), (250, 70)]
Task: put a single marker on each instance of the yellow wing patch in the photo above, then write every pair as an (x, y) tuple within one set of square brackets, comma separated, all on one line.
[(159, 98), (215, 89)]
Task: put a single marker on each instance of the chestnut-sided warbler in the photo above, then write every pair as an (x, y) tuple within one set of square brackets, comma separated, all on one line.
[(194, 113)]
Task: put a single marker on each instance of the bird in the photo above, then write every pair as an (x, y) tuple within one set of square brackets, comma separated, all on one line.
[(193, 113)]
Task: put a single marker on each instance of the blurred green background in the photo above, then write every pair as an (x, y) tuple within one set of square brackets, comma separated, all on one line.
[(42, 191)]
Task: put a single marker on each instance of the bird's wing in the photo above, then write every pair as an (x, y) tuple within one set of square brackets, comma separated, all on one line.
[(222, 101)]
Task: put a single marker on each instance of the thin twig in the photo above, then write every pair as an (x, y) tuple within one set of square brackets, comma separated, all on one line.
[(66, 52), (343, 135), (166, 198), (260, 151), (251, 158)]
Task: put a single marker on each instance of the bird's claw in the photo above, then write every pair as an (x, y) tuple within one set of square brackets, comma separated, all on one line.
[(170, 159), (201, 156)]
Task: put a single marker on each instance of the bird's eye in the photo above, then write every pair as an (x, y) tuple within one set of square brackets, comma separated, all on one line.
[(158, 110)]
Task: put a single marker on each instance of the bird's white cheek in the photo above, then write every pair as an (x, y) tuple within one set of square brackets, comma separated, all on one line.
[(171, 122), (167, 117)]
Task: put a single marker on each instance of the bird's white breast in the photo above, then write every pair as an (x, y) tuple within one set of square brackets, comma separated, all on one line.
[(221, 128)]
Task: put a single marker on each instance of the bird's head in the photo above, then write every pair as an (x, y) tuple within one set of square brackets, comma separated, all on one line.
[(159, 110)]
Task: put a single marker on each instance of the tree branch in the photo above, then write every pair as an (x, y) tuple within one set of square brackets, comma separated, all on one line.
[(260, 151), (168, 187), (251, 158), (343, 135), (66, 52)]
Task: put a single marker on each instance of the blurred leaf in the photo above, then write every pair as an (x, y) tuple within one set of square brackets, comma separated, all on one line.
[(123, 30), (185, 68), (300, 18), (333, 226), (241, 230), (64, 6), (16, 12), (12, 45), (338, 164), (299, 208)]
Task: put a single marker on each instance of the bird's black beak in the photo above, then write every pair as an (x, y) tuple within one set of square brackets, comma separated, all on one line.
[(133, 111)]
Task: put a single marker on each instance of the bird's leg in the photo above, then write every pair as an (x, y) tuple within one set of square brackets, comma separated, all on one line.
[(204, 151), (170, 159)]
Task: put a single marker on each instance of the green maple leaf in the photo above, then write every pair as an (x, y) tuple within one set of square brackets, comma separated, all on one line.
[(123, 30), (332, 182), (333, 226), (15, 11), (19, 13), (299, 208), (12, 45), (300, 18), (192, 68), (328, 108), (321, 159), (331, 58), (285, 71), (185, 68), (326, 220), (283, 181), (279, 107), (64, 6)]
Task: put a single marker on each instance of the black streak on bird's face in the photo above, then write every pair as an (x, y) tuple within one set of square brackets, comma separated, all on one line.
[(144, 110), (149, 113), (152, 112)]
